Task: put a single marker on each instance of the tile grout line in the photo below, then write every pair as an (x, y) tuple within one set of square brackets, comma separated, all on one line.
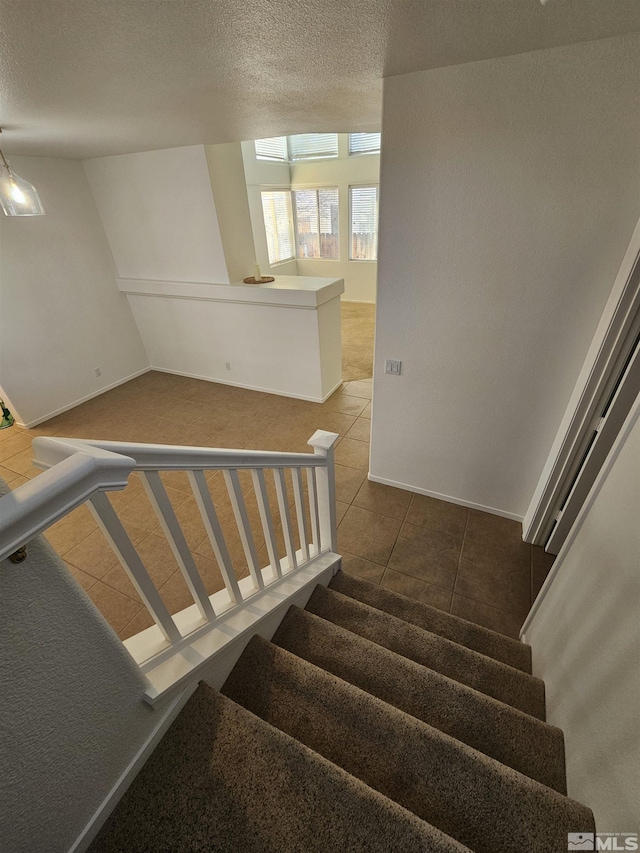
[(395, 542), (455, 582)]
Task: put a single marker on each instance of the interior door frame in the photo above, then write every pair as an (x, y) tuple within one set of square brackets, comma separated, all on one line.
[(614, 336)]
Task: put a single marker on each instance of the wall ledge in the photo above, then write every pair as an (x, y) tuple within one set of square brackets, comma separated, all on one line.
[(288, 291)]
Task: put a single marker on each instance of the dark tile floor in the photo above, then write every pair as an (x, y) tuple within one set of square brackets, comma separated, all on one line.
[(464, 561), (467, 562)]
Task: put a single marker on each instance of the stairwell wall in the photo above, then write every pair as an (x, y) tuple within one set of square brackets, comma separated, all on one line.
[(508, 195), (71, 709), (585, 636)]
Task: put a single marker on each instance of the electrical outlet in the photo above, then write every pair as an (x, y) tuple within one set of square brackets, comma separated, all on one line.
[(97, 371), (393, 367), (227, 364)]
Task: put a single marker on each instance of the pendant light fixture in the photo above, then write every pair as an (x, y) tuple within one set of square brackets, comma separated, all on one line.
[(17, 196)]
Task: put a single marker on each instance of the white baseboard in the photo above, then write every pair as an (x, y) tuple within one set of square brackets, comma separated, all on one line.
[(459, 501), (166, 716), (78, 402), (84, 399), (249, 387), (359, 301)]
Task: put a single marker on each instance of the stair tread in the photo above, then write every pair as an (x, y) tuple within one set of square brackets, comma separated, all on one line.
[(485, 805), (512, 737), (224, 780), (487, 675), (475, 637)]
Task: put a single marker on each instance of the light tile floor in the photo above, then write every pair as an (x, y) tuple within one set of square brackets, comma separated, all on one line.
[(463, 561)]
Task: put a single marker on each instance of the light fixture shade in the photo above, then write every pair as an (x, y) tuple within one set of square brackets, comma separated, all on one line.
[(17, 196)]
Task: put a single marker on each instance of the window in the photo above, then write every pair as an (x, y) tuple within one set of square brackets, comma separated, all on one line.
[(363, 223), (364, 143), (317, 234), (274, 148), (276, 207), (313, 146)]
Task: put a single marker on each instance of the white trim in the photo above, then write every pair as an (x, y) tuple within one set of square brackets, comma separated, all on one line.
[(252, 387), (133, 768), (209, 651), (613, 327), (104, 390), (629, 423), (490, 509), (84, 399), (360, 301), (286, 291)]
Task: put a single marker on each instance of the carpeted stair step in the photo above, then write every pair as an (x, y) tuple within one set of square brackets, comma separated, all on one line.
[(516, 739), (489, 676), (483, 804), (489, 643), (224, 780)]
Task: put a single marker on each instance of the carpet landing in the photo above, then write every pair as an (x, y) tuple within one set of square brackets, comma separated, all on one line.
[(370, 723)]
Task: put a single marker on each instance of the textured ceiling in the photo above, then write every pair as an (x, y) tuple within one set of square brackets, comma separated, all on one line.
[(86, 78)]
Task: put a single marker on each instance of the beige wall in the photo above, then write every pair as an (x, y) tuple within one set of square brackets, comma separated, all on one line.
[(586, 644), (509, 193)]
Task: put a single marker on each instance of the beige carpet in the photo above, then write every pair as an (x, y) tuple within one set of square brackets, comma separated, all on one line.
[(358, 322)]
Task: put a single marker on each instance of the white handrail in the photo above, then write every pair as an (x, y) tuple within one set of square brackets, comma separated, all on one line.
[(36, 505), (169, 457)]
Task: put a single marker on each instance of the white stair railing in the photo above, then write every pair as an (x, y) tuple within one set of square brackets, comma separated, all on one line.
[(81, 471)]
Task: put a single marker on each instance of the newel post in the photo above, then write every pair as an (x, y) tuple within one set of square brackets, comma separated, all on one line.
[(322, 443)]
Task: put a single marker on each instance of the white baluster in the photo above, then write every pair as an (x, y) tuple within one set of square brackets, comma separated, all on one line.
[(285, 517), (296, 476), (242, 520), (214, 531), (260, 489), (117, 537), (322, 443), (175, 537), (313, 508)]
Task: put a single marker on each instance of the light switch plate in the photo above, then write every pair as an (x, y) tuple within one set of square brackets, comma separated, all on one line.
[(393, 367)]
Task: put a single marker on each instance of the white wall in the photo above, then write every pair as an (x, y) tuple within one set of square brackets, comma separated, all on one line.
[(586, 645), (71, 705), (509, 192), (341, 172), (61, 314), (159, 215), (226, 171), (282, 341)]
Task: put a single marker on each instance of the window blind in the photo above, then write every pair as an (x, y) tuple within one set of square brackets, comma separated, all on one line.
[(363, 223), (313, 146), (364, 143), (274, 148), (276, 207), (317, 226)]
